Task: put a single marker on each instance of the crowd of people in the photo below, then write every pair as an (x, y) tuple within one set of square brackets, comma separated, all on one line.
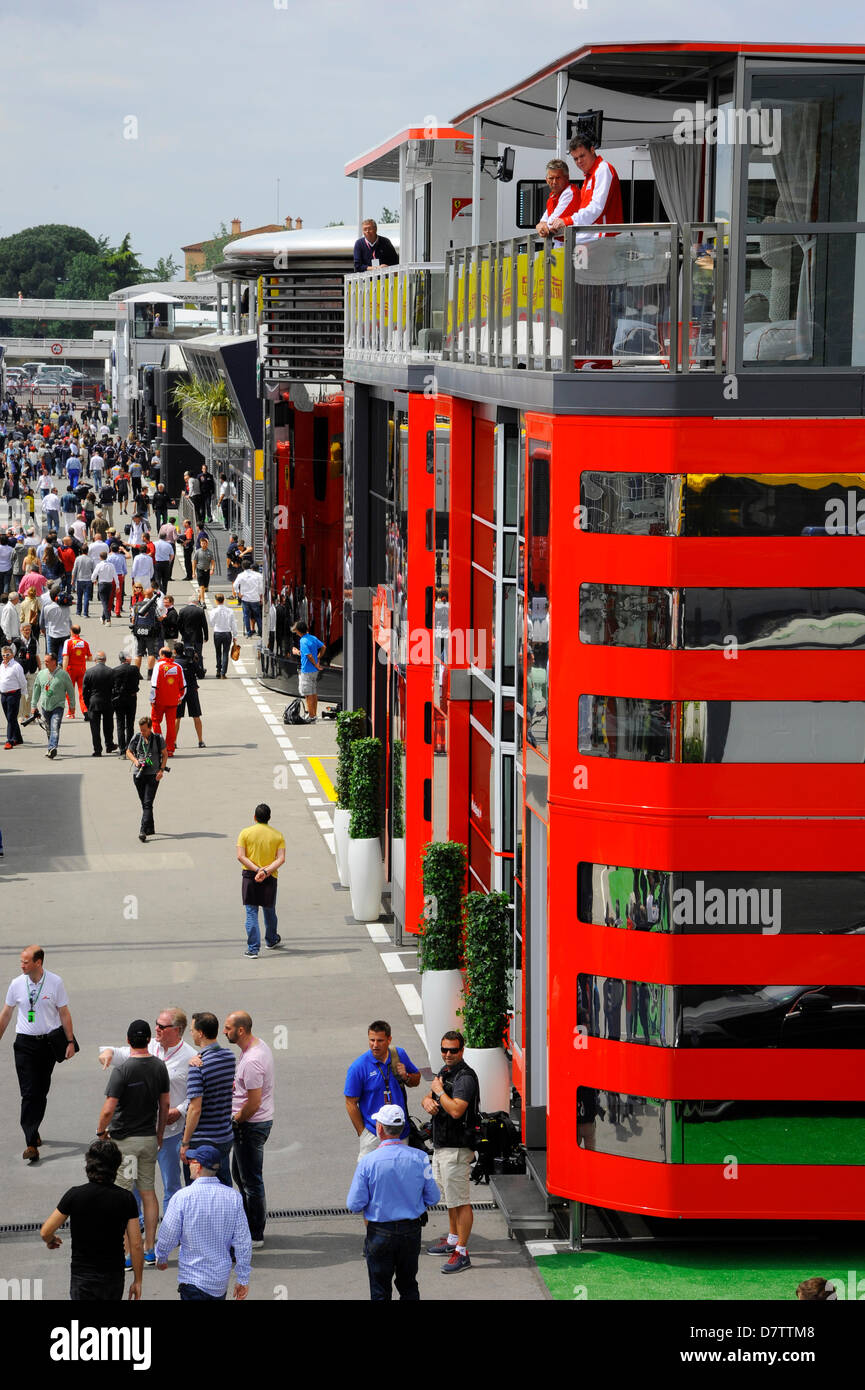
[(109, 534)]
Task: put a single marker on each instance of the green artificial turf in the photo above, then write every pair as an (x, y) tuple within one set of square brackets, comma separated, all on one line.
[(827, 1139), (712, 1272)]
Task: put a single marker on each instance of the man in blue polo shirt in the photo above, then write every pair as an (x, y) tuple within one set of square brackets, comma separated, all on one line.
[(374, 1079), (308, 649), (209, 1086)]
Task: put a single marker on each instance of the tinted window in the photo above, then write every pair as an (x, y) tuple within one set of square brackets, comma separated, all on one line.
[(612, 726)]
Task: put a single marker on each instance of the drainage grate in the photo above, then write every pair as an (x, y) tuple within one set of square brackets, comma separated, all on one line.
[(26, 1228)]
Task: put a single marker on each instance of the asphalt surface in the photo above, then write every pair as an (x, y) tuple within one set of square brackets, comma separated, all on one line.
[(134, 927)]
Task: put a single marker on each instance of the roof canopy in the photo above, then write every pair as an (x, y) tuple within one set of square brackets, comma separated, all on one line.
[(383, 162), (637, 86)]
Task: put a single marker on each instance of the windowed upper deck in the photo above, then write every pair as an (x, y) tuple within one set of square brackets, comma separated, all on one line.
[(741, 246)]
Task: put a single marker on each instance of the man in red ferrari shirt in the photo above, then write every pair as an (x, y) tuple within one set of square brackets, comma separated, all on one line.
[(564, 197), (167, 689), (599, 198)]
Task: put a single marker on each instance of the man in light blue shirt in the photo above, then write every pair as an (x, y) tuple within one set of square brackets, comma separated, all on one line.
[(207, 1221), (392, 1186)]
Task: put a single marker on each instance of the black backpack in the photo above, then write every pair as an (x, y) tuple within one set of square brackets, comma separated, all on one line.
[(292, 713)]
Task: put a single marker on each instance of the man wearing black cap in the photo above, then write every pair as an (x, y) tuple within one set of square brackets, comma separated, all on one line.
[(206, 1219), (136, 1108)]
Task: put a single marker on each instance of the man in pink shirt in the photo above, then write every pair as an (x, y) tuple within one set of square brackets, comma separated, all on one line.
[(251, 1119)]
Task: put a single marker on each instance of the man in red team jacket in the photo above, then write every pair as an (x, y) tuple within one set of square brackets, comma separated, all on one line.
[(167, 689), (600, 194)]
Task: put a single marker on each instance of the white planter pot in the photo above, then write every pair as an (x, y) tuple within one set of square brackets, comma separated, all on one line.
[(366, 879), (340, 844), (494, 1077), (441, 994)]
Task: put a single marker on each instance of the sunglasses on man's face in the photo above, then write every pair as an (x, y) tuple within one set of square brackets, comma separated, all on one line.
[(451, 1049)]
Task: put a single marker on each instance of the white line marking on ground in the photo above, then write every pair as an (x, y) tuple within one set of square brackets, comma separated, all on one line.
[(297, 768), (284, 742), (421, 1032), (377, 931), (324, 820), (392, 963), (306, 786), (410, 997)]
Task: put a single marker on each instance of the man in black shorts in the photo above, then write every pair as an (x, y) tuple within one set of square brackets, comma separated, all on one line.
[(187, 658), (101, 1214), (146, 623)]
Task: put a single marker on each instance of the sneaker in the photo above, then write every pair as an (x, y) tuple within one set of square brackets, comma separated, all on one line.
[(7, 746), (127, 1263), (272, 945), (150, 1259), (251, 955), (201, 743), (257, 1244), (456, 1263), (441, 1248), (52, 753)]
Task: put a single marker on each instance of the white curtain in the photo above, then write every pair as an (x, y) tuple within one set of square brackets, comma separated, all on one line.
[(795, 170), (678, 174)]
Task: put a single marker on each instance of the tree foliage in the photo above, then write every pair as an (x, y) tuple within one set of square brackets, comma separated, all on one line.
[(365, 823), (489, 948), (441, 928), (387, 216), (214, 248)]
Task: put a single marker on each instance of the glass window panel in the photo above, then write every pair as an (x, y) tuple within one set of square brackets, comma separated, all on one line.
[(770, 1131), (442, 487), (512, 470), (631, 1126), (507, 719), (483, 608), (631, 504), (509, 555), (723, 504), (612, 726), (804, 162), (773, 731), (696, 902), (627, 615), (509, 633), (812, 1016), (508, 810), (794, 619), (814, 312), (628, 1011)]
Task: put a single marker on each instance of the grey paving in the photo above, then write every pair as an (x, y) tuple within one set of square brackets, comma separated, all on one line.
[(132, 928)]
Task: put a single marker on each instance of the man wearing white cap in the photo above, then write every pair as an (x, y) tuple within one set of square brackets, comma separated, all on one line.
[(392, 1186)]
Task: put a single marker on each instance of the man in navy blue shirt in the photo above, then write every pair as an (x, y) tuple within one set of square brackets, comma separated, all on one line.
[(372, 250), (374, 1079), (392, 1186)]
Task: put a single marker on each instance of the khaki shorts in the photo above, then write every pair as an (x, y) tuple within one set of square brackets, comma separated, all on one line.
[(138, 1168), (451, 1172)]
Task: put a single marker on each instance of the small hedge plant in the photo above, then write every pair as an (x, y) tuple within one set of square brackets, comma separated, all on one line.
[(365, 823), (350, 725), (441, 927), (489, 945)]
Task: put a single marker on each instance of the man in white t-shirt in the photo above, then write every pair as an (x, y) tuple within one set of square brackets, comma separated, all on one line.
[(42, 1004), (169, 1047)]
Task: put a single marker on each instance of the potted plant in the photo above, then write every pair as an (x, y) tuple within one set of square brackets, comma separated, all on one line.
[(350, 725), (365, 869), (489, 944), (206, 400), (440, 946)]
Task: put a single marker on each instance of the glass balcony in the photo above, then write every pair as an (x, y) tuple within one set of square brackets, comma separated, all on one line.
[(637, 296), (395, 313)]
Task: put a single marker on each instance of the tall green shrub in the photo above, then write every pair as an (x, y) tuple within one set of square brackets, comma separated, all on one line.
[(350, 725), (489, 943), (365, 823), (441, 928)]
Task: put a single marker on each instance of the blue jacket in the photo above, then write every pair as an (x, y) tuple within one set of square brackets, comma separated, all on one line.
[(382, 248)]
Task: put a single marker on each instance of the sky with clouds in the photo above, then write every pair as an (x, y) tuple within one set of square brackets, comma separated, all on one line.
[(228, 97)]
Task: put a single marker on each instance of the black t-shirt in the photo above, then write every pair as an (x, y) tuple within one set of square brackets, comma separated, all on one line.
[(460, 1083), (99, 1214), (137, 1083)]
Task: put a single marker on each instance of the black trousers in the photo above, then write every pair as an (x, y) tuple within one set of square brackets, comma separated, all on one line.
[(147, 787), (392, 1249), (124, 712), (163, 573), (222, 643), (34, 1063), (11, 701), (104, 719), (88, 1286)]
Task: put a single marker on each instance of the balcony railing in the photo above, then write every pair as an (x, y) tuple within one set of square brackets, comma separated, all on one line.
[(395, 313), (641, 296)]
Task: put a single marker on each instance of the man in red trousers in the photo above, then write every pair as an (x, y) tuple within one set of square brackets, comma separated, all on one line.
[(167, 689)]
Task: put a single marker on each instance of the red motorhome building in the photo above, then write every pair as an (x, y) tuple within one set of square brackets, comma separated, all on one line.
[(605, 600)]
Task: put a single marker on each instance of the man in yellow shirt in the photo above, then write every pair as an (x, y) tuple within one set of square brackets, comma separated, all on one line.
[(261, 851)]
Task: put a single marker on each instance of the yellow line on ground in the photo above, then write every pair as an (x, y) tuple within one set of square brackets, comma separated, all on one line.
[(326, 784)]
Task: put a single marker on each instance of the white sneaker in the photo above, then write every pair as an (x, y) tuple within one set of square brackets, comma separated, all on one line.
[(257, 1244)]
